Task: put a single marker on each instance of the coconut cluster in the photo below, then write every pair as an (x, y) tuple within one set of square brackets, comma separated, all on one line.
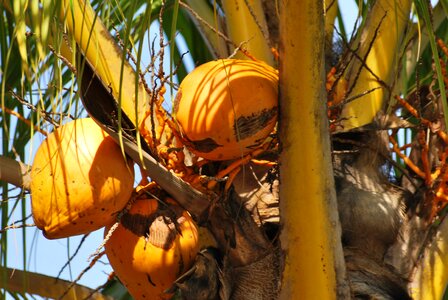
[(82, 180)]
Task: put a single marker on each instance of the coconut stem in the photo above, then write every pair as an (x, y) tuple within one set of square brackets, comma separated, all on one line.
[(15, 172)]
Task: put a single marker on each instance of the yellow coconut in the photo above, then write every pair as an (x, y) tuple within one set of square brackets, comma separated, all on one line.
[(147, 252), (226, 108), (80, 180)]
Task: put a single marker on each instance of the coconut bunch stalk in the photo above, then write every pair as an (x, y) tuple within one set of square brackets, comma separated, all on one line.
[(431, 275), (371, 74), (98, 46), (106, 58), (246, 25)]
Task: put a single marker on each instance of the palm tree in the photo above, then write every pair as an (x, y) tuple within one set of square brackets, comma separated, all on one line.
[(360, 159)]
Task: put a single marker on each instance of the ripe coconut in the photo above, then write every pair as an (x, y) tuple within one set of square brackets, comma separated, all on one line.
[(80, 179), (148, 251), (226, 108)]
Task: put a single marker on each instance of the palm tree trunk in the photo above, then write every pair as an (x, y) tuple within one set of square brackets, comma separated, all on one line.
[(314, 264)]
